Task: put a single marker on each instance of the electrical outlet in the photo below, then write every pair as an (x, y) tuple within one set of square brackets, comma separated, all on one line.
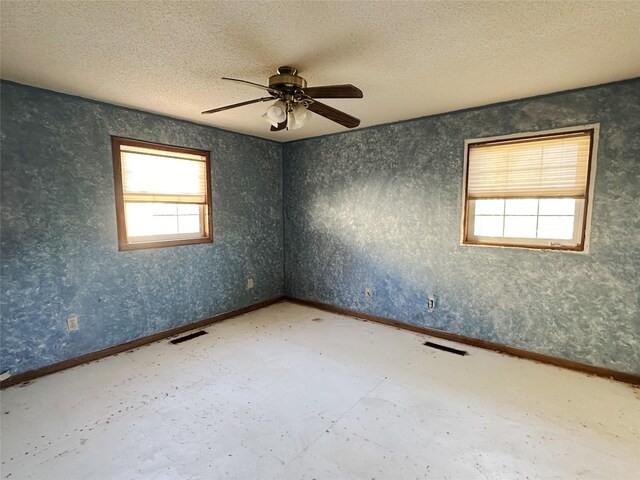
[(368, 292), (249, 283), (431, 303), (72, 323)]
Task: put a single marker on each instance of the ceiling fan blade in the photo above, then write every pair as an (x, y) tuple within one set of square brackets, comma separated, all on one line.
[(333, 114), (257, 85), (334, 91), (241, 104), (281, 126)]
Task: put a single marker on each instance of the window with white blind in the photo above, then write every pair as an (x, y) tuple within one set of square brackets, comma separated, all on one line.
[(162, 195), (530, 191)]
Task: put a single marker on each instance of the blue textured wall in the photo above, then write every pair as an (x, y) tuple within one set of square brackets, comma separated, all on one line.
[(377, 208), (59, 245), (381, 208)]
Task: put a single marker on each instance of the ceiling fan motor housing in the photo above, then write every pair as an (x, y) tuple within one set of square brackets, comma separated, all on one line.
[(287, 79)]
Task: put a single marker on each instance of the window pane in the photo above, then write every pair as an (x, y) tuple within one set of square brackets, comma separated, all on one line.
[(556, 228), (488, 226), (144, 219), (152, 219), (188, 209), (189, 218), (489, 207), (159, 208), (520, 226), (189, 223), (557, 206), (521, 206)]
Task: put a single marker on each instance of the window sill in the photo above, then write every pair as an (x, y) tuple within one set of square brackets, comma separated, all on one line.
[(546, 248), (168, 243)]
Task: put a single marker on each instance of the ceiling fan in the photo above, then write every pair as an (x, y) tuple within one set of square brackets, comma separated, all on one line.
[(294, 100)]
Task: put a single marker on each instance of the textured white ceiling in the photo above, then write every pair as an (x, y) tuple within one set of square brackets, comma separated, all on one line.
[(409, 58)]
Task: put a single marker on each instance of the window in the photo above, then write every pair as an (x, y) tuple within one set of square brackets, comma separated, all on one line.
[(162, 195), (530, 191)]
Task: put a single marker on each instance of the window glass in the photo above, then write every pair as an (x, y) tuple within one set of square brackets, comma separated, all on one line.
[(162, 195), (530, 192)]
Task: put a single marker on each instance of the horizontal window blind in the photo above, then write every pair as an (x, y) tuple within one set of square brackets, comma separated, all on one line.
[(536, 168), (153, 176)]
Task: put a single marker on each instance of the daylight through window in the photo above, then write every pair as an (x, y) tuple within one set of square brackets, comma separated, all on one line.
[(162, 195), (529, 192)]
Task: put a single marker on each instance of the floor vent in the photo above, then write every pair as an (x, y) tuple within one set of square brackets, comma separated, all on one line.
[(175, 341), (446, 349)]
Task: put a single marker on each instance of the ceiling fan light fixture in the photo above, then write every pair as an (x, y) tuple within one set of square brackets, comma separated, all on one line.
[(298, 117), (291, 122), (267, 119), (277, 112)]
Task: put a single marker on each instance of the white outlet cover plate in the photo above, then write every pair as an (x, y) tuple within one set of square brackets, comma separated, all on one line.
[(72, 323)]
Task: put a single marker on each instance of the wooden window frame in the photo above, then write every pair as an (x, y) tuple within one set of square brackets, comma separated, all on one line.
[(123, 243), (584, 211)]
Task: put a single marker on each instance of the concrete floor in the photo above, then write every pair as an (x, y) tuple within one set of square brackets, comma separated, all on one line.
[(290, 392)]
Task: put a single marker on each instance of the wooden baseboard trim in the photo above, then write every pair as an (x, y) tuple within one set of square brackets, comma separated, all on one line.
[(123, 347), (496, 347)]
